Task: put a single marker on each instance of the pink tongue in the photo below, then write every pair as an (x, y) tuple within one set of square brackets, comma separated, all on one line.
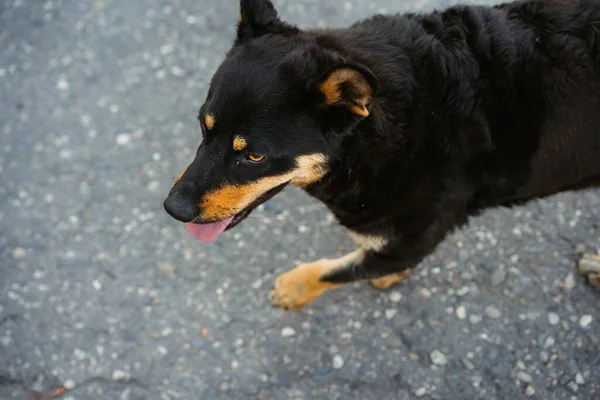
[(208, 232)]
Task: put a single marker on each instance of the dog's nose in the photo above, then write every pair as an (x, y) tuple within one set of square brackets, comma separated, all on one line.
[(181, 207)]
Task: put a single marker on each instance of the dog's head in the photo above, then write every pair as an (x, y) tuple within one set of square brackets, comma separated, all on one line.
[(274, 114)]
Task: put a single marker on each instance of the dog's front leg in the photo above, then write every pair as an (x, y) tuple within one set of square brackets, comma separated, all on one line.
[(298, 287)]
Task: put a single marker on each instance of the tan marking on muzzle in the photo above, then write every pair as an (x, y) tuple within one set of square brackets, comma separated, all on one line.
[(239, 143), (231, 199), (178, 178), (209, 121)]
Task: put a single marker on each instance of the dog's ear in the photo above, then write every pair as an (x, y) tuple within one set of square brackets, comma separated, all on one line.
[(258, 17), (349, 85)]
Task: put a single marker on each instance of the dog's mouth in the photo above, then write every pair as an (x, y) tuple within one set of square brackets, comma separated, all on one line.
[(211, 231)]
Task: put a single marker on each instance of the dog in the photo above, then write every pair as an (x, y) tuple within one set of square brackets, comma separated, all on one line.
[(404, 126)]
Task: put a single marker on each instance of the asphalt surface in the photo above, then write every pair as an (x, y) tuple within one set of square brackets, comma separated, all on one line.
[(103, 294)]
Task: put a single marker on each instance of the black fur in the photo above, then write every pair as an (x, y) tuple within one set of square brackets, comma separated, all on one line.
[(473, 107)]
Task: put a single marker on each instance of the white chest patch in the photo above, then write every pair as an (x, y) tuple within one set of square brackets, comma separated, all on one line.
[(368, 242)]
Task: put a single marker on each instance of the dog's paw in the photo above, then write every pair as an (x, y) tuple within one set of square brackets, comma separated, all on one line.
[(298, 287), (386, 281), (589, 266)]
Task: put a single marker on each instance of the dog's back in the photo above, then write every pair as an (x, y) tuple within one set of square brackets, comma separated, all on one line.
[(514, 90)]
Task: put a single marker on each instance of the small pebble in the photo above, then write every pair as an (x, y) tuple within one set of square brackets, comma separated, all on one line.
[(438, 358), (573, 386), (492, 312), (118, 375), (287, 332), (62, 84), (96, 284), (579, 379), (395, 296), (420, 392), (585, 320), (524, 377), (153, 186), (390, 313), (122, 139), (18, 252), (553, 318), (549, 342), (461, 312), (468, 364), (338, 361), (498, 276), (69, 384), (165, 267), (224, 387), (475, 319), (529, 391), (463, 290), (570, 281)]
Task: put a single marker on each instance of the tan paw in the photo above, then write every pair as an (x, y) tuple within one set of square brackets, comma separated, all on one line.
[(298, 287), (386, 281), (589, 266)]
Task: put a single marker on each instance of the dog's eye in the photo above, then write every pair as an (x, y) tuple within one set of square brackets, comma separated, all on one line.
[(255, 157)]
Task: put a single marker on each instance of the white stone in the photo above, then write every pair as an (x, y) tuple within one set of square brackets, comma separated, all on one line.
[(461, 312), (288, 332), (579, 379), (438, 358), (153, 186), (529, 391), (96, 284), (69, 384), (569, 281), (390, 313), (395, 296), (492, 312), (122, 139), (338, 361), (524, 377), (585, 320), (553, 318), (18, 252), (62, 84), (118, 375)]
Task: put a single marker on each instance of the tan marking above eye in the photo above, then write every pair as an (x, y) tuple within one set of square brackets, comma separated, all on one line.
[(239, 143), (231, 199), (209, 121)]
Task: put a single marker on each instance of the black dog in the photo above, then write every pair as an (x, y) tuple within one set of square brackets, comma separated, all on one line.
[(404, 126)]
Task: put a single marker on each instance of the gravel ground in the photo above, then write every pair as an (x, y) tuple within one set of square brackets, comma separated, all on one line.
[(104, 295)]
